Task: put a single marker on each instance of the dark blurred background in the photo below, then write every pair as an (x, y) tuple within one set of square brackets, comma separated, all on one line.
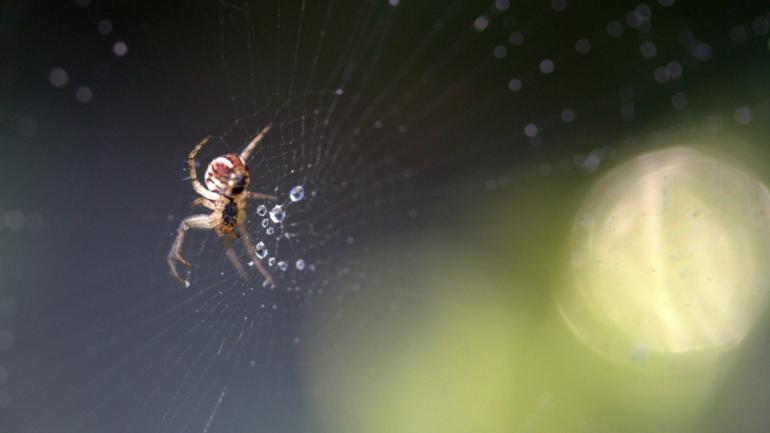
[(446, 149)]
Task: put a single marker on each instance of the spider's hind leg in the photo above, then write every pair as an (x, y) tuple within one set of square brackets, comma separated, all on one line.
[(175, 254), (234, 257), (252, 252)]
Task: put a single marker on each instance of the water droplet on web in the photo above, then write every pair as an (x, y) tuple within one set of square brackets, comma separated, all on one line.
[(271, 261), (300, 264), (260, 250), (261, 210), (277, 214), (265, 222), (297, 193), (270, 230), (186, 283), (282, 265)]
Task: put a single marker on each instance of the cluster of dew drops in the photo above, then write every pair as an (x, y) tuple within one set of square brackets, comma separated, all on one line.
[(277, 215)]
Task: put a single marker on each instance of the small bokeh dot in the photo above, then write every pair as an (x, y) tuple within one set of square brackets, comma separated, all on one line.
[(583, 46), (514, 85), (546, 66), (104, 27), (530, 130), (743, 115), (120, 48), (58, 77), (84, 94)]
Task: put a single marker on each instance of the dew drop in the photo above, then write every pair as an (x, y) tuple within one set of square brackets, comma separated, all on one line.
[(271, 261), (282, 265), (260, 250), (277, 214), (261, 210), (270, 230), (300, 264), (297, 193)]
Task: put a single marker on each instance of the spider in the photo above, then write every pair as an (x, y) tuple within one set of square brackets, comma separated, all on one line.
[(225, 194)]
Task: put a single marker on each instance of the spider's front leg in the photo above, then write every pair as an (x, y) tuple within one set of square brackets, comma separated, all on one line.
[(197, 186), (192, 222), (250, 147)]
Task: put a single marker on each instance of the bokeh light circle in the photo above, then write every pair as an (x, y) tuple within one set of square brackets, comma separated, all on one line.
[(668, 255)]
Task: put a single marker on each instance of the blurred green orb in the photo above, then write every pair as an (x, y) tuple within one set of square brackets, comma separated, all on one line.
[(669, 254)]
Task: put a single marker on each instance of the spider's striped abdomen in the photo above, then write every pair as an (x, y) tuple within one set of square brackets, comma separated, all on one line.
[(227, 175)]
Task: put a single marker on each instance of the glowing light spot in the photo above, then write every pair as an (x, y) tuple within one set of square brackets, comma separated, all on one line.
[(480, 23), (104, 27), (668, 255), (530, 130), (583, 46), (568, 115), (674, 70), (546, 66), (743, 115), (514, 85), (558, 5), (120, 48), (648, 50), (58, 77), (84, 94), (516, 38), (679, 101), (615, 29)]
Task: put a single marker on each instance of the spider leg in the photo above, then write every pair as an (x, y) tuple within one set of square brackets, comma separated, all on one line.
[(202, 201), (250, 147), (252, 252), (234, 258), (197, 186), (259, 196), (192, 222)]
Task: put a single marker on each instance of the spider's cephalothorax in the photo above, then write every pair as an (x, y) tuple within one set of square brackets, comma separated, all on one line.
[(227, 175), (225, 195)]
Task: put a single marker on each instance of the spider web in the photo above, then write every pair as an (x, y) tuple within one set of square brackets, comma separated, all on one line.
[(389, 117)]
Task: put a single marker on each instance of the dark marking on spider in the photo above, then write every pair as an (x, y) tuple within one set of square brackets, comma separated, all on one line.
[(230, 214)]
